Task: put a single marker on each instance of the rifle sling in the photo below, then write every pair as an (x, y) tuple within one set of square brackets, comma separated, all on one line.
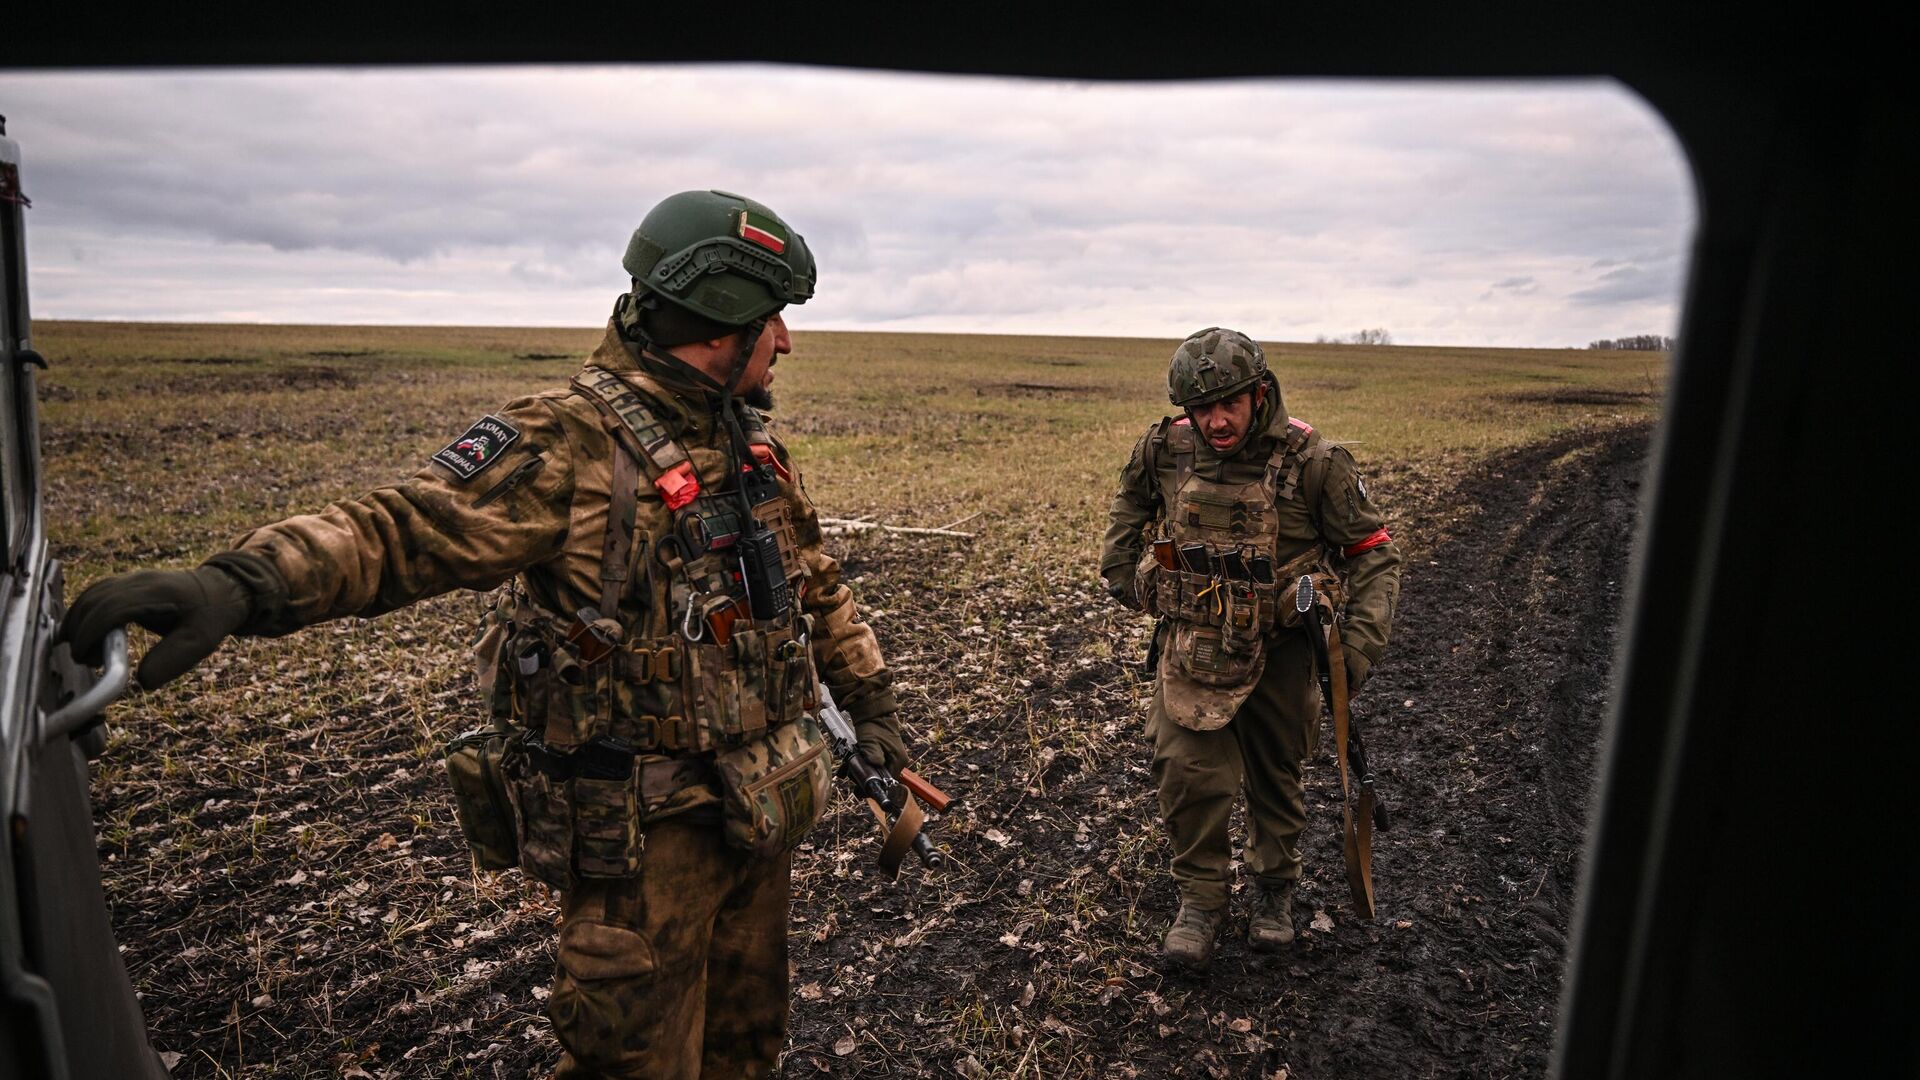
[(899, 834), (614, 556), (1356, 827)]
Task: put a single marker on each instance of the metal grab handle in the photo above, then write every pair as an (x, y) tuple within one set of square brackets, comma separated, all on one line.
[(75, 714)]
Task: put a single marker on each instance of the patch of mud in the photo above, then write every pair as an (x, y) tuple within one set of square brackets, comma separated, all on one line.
[(1332, 386), (544, 356), (1585, 396), (269, 380), (1034, 390)]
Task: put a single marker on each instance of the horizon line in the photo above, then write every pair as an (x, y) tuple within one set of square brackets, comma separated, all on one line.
[(794, 332)]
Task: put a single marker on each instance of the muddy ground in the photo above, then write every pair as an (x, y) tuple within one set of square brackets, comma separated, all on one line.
[(350, 937)]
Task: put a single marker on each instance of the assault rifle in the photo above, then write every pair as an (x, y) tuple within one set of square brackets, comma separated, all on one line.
[(892, 801), (1360, 808)]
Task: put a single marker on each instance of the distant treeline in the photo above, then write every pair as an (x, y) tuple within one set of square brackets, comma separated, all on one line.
[(1636, 343), (1377, 336)]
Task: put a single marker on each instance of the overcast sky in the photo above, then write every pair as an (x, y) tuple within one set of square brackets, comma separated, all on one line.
[(1451, 214)]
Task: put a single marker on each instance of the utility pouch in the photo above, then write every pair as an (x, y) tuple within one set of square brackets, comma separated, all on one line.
[(1147, 574), (607, 841), (1241, 630), (579, 813), (1205, 655), (712, 695), (480, 800), (774, 789), (544, 813)]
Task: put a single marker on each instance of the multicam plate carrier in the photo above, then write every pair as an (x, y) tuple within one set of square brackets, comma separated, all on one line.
[(1221, 617)]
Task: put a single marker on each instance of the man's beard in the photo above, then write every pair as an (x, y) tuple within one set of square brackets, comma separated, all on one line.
[(760, 397)]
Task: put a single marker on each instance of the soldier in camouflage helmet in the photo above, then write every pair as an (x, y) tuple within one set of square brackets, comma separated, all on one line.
[(1238, 500), (651, 659)]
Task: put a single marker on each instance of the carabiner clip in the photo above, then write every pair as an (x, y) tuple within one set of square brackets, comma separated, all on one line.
[(688, 620)]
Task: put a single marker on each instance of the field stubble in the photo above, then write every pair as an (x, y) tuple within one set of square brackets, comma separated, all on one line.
[(293, 896)]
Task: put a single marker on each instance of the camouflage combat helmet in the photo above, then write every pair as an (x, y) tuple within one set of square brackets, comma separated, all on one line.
[(1213, 364), (721, 256)]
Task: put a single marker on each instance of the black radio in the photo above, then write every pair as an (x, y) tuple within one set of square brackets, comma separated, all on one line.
[(766, 580)]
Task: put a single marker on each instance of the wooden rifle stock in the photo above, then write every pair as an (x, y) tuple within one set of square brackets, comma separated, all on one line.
[(936, 800)]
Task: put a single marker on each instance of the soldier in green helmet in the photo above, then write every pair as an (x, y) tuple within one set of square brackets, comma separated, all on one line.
[(664, 607), (1220, 512)]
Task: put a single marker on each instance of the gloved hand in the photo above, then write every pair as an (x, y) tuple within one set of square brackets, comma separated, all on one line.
[(192, 611), (1358, 667), (1122, 591), (879, 742)]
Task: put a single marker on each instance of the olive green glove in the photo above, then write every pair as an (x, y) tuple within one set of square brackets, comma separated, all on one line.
[(193, 611), (879, 742), (1358, 668)]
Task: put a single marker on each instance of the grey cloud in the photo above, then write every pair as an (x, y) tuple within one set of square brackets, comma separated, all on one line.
[(961, 203), (1627, 284)]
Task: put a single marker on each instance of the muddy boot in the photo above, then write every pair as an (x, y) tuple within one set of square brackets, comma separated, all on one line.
[(1189, 940), (1270, 925)]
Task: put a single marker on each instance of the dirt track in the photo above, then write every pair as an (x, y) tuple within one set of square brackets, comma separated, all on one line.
[(1037, 952), (1482, 728)]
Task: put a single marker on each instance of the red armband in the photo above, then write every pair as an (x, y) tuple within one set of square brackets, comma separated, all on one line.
[(1374, 540), (678, 485)]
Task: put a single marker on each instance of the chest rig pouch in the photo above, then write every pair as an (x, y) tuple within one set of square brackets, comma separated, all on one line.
[(720, 591), (1212, 576), (695, 649), (723, 601), (559, 815)]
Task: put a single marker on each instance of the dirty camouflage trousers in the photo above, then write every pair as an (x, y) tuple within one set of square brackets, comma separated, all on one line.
[(679, 973), (1263, 750)]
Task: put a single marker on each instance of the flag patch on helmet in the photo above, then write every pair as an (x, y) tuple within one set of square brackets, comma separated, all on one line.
[(764, 231), (480, 447)]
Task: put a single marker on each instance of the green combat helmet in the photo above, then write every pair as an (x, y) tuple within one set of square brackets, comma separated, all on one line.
[(1213, 364), (721, 256)]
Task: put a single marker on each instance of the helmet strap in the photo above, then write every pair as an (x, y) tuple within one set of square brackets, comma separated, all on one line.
[(740, 455), (743, 356)]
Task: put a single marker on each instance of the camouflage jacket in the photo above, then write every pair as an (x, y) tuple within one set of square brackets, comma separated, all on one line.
[(537, 506), (1344, 520)]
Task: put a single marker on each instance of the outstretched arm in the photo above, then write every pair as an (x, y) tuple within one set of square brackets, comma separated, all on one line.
[(493, 502)]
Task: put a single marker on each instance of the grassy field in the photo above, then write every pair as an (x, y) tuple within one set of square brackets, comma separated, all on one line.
[(167, 440), (279, 846)]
